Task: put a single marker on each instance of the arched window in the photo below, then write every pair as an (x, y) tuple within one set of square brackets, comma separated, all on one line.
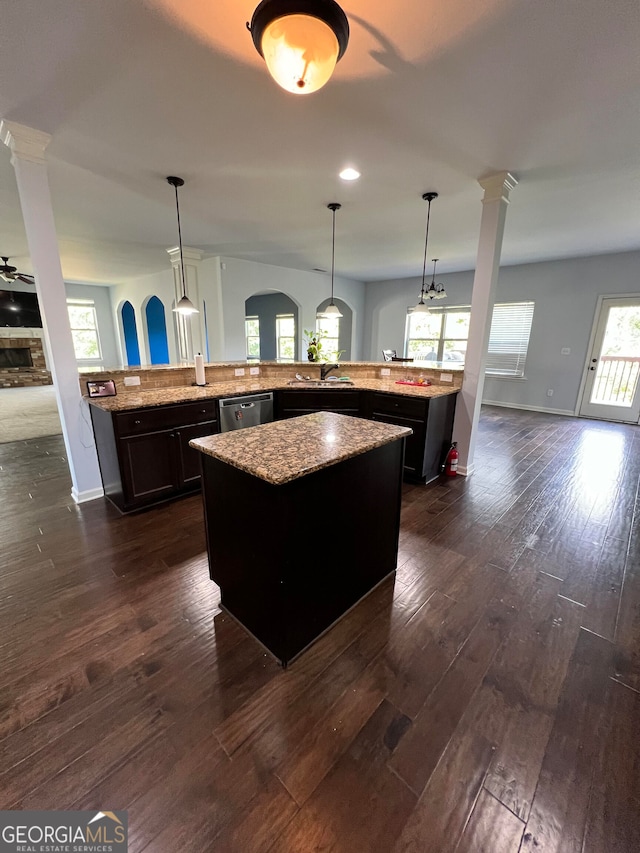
[(130, 329), (157, 331)]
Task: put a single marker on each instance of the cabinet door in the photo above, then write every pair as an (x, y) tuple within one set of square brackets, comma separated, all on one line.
[(414, 444), (188, 458), (148, 467)]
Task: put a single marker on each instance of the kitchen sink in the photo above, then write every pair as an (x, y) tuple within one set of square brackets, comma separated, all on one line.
[(319, 383)]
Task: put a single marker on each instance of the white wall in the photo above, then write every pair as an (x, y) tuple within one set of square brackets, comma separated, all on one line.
[(242, 279), (565, 293)]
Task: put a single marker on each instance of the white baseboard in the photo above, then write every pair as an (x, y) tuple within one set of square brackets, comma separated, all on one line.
[(88, 495), (466, 470), (544, 409)]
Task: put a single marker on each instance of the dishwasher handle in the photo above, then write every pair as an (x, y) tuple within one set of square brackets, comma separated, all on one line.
[(247, 405)]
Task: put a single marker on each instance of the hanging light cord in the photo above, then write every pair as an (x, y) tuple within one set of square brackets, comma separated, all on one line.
[(333, 207), (184, 291), (333, 251), (426, 243)]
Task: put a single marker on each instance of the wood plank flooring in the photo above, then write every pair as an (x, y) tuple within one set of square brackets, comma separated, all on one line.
[(488, 699)]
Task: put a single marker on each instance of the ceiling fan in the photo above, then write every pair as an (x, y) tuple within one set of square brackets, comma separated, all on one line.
[(9, 273)]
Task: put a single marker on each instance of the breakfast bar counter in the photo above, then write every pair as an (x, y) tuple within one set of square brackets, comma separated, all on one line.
[(302, 519)]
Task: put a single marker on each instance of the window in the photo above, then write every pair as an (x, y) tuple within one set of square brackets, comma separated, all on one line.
[(509, 338), (285, 337), (442, 334), (330, 329), (84, 329), (252, 334)]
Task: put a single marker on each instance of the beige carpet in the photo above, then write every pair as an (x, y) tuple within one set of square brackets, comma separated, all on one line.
[(28, 413)]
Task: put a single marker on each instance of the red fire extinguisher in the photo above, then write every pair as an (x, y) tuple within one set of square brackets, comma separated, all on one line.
[(451, 462)]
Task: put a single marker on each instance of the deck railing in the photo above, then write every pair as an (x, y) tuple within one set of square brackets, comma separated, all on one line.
[(616, 380)]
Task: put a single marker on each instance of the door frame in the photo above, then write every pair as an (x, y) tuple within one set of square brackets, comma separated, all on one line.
[(592, 339)]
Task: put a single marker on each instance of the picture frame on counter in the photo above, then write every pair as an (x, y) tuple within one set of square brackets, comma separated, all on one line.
[(102, 388)]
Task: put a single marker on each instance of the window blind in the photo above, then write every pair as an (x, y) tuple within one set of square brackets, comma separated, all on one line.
[(509, 338)]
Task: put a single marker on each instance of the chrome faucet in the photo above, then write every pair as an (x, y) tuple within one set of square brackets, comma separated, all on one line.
[(325, 369)]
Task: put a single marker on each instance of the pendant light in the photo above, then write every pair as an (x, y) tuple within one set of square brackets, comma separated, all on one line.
[(421, 307), (332, 309), (435, 291), (185, 306), (300, 40)]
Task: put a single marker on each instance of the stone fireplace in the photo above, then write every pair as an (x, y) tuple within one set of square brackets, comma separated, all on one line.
[(22, 363)]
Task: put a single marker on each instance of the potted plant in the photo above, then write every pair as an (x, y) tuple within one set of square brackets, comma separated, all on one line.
[(316, 347)]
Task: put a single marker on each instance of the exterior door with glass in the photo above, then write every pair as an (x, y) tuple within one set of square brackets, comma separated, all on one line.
[(612, 390)]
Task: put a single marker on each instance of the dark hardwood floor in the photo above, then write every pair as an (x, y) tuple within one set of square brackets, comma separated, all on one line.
[(488, 700)]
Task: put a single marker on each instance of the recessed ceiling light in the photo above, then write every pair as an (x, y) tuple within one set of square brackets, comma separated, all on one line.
[(349, 174)]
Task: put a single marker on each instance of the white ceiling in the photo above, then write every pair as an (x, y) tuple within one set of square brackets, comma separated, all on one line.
[(430, 95)]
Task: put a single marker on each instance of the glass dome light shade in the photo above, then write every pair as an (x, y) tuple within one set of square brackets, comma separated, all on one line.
[(301, 52), (186, 306), (331, 311)]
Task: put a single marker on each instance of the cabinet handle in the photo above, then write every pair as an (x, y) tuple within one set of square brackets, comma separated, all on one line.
[(204, 411), (136, 422)]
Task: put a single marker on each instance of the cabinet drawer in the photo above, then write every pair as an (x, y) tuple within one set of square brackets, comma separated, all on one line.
[(396, 404), (164, 417)]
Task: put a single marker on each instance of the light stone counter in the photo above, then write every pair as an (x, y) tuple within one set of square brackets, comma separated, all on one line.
[(283, 451), (166, 396)]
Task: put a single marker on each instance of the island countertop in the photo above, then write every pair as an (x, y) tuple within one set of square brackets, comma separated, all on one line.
[(282, 451)]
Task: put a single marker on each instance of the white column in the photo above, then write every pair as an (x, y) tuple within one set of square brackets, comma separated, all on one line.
[(27, 147), (494, 210), (189, 328)]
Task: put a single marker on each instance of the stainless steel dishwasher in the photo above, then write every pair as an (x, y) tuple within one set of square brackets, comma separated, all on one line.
[(242, 412)]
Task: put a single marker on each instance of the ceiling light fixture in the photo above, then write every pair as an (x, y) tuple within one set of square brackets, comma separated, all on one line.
[(300, 40), (435, 291), (421, 307), (349, 174), (332, 310), (185, 305)]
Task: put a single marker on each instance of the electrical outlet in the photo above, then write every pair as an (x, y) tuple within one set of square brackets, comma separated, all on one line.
[(565, 351), (239, 371), (446, 377), (131, 380), (384, 371), (254, 371), (549, 392)]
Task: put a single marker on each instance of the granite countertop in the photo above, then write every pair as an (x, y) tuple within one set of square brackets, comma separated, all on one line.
[(236, 388), (282, 451)]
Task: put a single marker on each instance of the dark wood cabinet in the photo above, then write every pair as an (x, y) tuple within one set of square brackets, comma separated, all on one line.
[(145, 457), (291, 404), (431, 420), (144, 454), (285, 601)]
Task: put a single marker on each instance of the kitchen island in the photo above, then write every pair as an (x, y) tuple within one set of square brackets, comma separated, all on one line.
[(302, 519)]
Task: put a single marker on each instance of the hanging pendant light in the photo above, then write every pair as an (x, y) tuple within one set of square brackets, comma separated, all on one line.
[(300, 40), (185, 305), (421, 307), (435, 291), (332, 309)]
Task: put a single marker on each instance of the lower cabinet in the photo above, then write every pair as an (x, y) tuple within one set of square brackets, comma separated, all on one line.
[(144, 454), (145, 457), (291, 404), (430, 419)]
